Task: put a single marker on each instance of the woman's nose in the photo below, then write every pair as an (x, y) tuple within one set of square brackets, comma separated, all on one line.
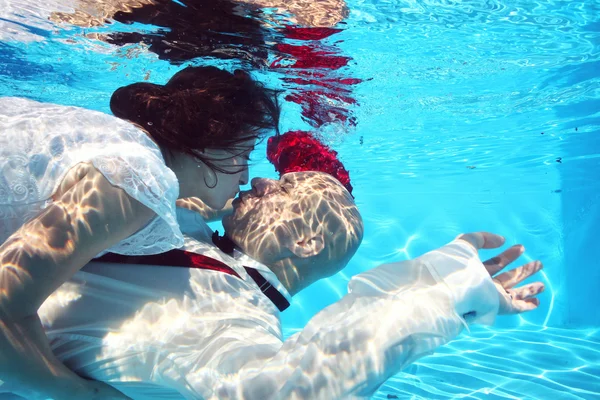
[(244, 177), (262, 186)]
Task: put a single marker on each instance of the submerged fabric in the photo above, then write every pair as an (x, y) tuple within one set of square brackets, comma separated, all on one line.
[(40, 143), (172, 333)]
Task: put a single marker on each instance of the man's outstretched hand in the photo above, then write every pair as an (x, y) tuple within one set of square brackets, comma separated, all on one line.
[(513, 300)]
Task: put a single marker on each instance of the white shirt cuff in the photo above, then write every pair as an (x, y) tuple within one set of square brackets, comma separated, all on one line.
[(457, 265)]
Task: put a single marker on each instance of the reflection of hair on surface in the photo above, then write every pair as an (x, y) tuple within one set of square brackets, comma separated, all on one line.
[(180, 31), (196, 28)]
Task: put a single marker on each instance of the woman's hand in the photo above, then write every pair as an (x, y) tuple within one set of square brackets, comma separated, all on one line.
[(513, 300)]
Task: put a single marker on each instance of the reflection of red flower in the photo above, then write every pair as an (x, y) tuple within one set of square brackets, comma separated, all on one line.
[(309, 57), (325, 98), (297, 151)]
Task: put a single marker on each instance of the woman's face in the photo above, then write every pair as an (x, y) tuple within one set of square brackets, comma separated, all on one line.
[(214, 188)]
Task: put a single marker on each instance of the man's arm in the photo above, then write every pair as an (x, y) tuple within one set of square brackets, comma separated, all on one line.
[(217, 337), (392, 315)]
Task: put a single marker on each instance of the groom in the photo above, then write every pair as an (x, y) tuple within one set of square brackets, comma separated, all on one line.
[(211, 329)]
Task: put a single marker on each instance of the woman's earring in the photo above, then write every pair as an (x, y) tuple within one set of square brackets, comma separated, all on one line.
[(213, 178)]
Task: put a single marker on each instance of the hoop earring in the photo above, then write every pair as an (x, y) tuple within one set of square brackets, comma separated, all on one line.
[(216, 181)]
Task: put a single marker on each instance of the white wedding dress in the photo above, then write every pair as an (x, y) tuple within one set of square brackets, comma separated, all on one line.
[(40, 143)]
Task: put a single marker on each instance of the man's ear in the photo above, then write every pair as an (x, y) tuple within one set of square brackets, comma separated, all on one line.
[(307, 246)]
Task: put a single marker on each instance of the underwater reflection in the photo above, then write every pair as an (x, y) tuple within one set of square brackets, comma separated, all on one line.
[(295, 44)]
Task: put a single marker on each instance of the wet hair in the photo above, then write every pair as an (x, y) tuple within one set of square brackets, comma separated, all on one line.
[(190, 29), (201, 108)]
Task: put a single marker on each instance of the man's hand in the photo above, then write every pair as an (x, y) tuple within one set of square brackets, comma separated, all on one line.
[(513, 300)]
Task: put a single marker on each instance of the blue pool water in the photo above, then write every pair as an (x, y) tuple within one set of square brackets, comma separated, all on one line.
[(471, 115)]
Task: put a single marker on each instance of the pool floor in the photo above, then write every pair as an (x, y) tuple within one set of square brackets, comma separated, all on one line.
[(530, 362)]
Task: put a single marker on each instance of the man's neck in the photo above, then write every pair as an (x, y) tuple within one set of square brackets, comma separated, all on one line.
[(287, 273)]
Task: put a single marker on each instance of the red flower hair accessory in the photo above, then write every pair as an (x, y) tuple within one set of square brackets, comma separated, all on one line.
[(297, 151)]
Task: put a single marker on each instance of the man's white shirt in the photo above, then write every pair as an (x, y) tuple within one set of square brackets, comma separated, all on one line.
[(158, 332)]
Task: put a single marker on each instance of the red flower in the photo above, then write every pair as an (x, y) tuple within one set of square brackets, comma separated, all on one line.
[(297, 151)]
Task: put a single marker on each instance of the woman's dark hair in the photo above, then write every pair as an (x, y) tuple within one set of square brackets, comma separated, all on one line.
[(200, 108)]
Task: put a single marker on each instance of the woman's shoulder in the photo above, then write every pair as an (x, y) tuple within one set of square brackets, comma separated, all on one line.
[(20, 106), (41, 142), (40, 127), (30, 112)]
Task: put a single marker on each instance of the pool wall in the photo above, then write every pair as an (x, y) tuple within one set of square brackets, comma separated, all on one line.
[(581, 221)]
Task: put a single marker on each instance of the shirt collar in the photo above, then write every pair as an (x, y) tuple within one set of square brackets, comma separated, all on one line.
[(264, 271), (194, 226)]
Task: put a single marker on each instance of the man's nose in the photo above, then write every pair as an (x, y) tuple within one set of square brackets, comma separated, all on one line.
[(262, 186)]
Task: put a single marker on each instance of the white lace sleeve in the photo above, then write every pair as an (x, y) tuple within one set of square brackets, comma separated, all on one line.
[(40, 143), (147, 179)]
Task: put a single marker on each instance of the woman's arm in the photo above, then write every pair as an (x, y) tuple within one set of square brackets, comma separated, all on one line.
[(88, 215), (25, 348)]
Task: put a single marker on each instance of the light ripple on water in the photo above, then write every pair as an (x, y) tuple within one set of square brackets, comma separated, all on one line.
[(450, 85), (525, 363)]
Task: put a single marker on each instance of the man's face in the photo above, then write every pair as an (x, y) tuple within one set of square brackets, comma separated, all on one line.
[(274, 216)]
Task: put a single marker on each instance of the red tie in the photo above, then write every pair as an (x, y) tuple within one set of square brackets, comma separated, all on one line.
[(185, 259)]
